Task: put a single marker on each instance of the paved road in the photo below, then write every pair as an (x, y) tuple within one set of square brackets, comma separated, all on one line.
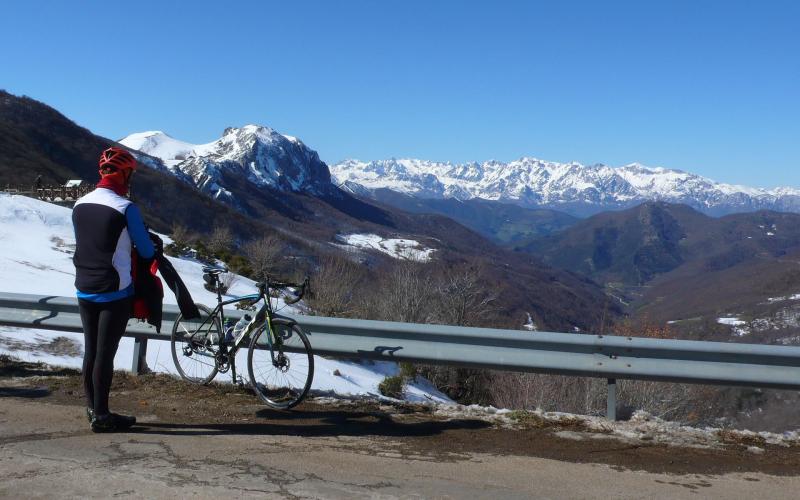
[(46, 451)]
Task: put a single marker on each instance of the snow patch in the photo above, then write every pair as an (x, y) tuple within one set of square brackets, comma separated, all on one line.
[(530, 325), (641, 428), (784, 298), (398, 248), (732, 321), (739, 327)]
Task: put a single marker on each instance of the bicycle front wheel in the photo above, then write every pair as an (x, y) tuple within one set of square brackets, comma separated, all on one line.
[(281, 376), (195, 343)]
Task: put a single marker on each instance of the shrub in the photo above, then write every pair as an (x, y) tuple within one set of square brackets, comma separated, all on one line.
[(203, 254), (392, 387), (408, 371), (180, 235), (239, 265), (174, 250)]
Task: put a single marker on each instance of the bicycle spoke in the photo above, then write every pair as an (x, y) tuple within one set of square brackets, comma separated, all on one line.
[(193, 349), (281, 378)]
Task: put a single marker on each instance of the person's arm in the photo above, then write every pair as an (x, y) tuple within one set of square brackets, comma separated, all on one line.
[(139, 233)]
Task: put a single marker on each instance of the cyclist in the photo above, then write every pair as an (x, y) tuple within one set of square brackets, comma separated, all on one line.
[(107, 227)]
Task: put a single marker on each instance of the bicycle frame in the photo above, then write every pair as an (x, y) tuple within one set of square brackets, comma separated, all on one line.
[(263, 318)]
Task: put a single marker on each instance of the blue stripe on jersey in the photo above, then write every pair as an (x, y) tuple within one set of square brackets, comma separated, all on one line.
[(139, 233), (108, 296)]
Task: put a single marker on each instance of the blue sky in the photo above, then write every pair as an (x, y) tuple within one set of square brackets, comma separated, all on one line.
[(708, 87)]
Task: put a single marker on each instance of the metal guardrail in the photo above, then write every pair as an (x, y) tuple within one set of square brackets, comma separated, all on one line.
[(602, 356)]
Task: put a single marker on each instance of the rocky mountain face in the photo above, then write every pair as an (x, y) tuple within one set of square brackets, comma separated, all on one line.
[(574, 188), (262, 156)]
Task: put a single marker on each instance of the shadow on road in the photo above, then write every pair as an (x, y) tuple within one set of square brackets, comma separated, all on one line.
[(10, 367), (24, 392), (316, 424)]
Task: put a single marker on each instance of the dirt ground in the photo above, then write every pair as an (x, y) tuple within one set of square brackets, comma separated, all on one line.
[(168, 403)]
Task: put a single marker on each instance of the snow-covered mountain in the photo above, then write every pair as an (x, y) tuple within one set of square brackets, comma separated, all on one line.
[(260, 154), (267, 158), (572, 187)]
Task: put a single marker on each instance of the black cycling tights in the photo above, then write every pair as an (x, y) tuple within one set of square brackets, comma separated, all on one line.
[(103, 326)]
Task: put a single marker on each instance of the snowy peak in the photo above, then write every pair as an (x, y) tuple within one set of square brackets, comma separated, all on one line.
[(159, 144), (262, 155), (572, 187)]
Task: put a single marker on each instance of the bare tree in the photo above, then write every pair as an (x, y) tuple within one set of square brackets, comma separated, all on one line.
[(227, 280), (405, 293), (180, 235), (465, 296), (264, 255), (220, 239), (335, 286)]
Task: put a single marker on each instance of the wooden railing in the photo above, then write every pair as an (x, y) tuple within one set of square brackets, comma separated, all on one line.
[(51, 193)]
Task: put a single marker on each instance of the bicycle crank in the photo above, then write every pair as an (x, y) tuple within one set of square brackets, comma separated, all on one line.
[(223, 362)]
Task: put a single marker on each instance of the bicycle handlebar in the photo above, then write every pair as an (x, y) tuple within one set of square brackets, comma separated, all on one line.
[(298, 295)]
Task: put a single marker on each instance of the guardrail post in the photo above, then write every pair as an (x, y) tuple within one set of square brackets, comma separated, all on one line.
[(139, 356), (611, 404)]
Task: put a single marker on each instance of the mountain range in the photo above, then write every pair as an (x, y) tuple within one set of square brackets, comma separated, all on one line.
[(580, 190), (258, 182), (668, 260)]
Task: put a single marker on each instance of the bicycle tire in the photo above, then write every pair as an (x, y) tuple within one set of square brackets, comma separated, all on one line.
[(182, 350), (270, 380)]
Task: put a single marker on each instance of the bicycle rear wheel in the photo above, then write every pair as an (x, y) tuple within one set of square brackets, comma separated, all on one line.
[(281, 377), (195, 343)]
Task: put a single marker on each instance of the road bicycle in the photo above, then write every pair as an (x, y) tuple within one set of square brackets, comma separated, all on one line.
[(280, 362)]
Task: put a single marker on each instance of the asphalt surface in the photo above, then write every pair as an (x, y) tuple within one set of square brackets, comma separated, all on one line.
[(216, 442)]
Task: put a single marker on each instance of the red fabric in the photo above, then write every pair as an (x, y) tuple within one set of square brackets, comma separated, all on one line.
[(140, 309), (114, 182)]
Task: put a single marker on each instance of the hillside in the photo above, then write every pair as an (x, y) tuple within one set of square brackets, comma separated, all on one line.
[(671, 263), (503, 223), (630, 246)]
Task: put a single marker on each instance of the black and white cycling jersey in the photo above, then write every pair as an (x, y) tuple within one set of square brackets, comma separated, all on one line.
[(106, 228)]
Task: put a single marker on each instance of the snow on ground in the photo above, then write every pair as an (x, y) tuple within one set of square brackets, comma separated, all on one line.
[(395, 247), (36, 246), (787, 317), (530, 325), (739, 327), (730, 320), (784, 298), (641, 428)]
